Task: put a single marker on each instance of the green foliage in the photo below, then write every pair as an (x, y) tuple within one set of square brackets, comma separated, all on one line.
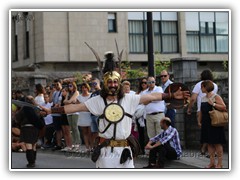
[(225, 65), (126, 65), (79, 78), (160, 66), (135, 73), (132, 73)]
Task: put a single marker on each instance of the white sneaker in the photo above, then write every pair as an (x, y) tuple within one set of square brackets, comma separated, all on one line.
[(66, 149), (75, 149)]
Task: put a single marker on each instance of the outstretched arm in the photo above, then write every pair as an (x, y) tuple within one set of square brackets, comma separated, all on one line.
[(179, 94), (72, 108), (67, 109), (147, 98)]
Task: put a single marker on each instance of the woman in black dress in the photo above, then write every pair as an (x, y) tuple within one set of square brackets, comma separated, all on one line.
[(213, 136), (29, 133)]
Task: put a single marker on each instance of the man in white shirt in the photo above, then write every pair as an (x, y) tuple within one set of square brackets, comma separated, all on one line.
[(154, 110), (115, 109), (165, 82), (197, 95), (48, 124)]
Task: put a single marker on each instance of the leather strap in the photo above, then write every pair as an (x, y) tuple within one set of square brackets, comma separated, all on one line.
[(58, 110), (115, 143)]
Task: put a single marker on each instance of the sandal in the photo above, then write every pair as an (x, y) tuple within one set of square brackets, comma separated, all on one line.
[(219, 166), (210, 166), (203, 152)]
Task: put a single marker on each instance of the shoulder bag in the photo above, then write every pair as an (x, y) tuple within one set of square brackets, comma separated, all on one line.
[(218, 118)]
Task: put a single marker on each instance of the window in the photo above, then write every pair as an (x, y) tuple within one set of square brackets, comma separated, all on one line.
[(207, 37), (221, 26), (207, 32), (26, 35), (15, 39), (164, 28), (137, 36), (193, 41), (112, 23)]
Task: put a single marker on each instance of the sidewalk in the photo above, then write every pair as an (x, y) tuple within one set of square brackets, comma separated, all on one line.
[(191, 159), (194, 158)]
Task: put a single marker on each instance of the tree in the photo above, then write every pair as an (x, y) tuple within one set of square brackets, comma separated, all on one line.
[(129, 73), (159, 64), (79, 78), (225, 65)]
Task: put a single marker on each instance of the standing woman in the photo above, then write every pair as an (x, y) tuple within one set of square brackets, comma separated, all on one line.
[(213, 136), (29, 133), (84, 120), (140, 115), (71, 98), (39, 91), (39, 100), (65, 125), (142, 86)]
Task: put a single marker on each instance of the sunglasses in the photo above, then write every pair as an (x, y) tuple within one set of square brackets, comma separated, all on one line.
[(70, 85), (151, 82), (143, 82), (163, 76), (94, 83)]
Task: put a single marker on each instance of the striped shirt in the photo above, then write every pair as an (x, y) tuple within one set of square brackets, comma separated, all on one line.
[(170, 135)]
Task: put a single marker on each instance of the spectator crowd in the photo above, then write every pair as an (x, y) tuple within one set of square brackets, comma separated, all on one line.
[(153, 125)]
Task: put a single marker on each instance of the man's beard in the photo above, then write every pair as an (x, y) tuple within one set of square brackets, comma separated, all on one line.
[(113, 91)]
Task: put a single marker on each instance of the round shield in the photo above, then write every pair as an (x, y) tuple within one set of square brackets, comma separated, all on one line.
[(176, 103), (113, 113)]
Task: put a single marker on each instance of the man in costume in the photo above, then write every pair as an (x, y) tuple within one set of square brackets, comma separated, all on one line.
[(115, 110)]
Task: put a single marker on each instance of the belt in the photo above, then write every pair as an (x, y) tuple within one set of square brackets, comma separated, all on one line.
[(154, 113), (115, 143)]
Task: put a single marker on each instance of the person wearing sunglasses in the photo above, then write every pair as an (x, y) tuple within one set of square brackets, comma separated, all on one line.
[(140, 115), (142, 85), (94, 124), (154, 110), (56, 100), (165, 82), (71, 98)]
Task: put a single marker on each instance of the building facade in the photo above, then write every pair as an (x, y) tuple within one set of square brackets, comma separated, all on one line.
[(53, 41), (50, 44)]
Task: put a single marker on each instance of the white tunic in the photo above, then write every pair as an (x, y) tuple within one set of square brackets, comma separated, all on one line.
[(107, 158)]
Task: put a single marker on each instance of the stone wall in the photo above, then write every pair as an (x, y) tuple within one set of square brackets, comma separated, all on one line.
[(26, 81)]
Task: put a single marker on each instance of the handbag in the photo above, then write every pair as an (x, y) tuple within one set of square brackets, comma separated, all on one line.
[(218, 118)]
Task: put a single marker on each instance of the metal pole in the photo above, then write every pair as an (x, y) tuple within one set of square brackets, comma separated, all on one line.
[(150, 44)]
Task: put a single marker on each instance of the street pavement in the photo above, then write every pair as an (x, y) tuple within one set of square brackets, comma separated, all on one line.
[(47, 159)]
